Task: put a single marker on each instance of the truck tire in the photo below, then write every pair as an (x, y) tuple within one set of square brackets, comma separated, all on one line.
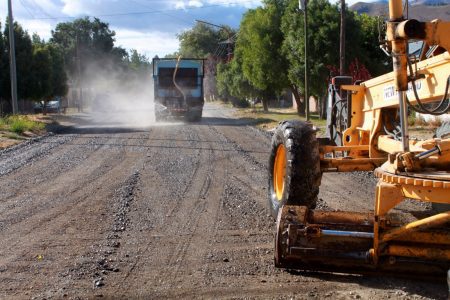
[(193, 116), (294, 166), (158, 117)]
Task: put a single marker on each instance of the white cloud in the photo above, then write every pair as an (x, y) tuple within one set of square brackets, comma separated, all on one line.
[(180, 5), (75, 8), (195, 3), (41, 27), (149, 43), (244, 3), (151, 33)]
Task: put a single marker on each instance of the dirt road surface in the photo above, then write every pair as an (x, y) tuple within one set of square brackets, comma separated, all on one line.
[(162, 211)]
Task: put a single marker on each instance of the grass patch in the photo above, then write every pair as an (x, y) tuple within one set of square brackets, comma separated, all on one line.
[(13, 136), (20, 124), (271, 119)]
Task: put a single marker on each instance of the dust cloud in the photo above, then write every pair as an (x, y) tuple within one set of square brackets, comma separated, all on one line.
[(114, 95)]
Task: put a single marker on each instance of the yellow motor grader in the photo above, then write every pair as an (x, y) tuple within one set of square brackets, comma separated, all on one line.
[(367, 130)]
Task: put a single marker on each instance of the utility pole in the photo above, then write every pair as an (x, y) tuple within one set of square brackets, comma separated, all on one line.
[(12, 61), (228, 41), (303, 5), (80, 83), (342, 41)]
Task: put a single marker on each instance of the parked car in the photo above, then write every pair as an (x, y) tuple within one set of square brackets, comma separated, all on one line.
[(53, 106)]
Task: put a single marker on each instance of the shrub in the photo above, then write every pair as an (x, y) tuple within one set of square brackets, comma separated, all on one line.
[(239, 102), (20, 124)]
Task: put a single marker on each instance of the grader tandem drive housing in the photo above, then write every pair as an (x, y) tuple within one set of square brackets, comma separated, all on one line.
[(367, 131)]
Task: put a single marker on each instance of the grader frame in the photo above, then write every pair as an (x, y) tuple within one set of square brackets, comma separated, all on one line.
[(406, 169)]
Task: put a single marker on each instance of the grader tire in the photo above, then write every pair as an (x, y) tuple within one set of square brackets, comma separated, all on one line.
[(294, 166)]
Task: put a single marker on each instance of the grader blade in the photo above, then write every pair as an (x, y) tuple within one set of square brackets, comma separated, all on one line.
[(343, 242)]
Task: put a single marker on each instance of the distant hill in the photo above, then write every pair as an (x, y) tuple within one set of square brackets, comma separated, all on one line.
[(422, 10)]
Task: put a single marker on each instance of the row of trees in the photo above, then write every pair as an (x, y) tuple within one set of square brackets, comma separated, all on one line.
[(40, 72), (269, 51), (77, 51)]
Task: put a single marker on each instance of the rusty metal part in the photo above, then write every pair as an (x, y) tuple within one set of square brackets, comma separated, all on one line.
[(428, 253), (430, 222), (343, 242), (340, 218), (423, 188), (300, 241), (350, 164), (426, 179)]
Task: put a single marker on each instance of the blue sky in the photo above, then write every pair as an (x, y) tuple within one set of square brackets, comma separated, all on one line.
[(150, 26)]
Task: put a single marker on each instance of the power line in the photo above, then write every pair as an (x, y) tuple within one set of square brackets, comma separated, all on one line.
[(26, 8), (173, 17), (219, 49), (162, 11), (39, 8)]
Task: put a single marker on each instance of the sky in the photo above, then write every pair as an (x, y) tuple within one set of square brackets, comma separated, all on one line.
[(149, 26)]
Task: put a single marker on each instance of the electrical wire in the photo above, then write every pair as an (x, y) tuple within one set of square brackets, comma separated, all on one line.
[(437, 110), (26, 8), (222, 50), (162, 11), (38, 7)]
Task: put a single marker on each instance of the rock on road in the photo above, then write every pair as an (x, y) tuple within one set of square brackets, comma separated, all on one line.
[(162, 211)]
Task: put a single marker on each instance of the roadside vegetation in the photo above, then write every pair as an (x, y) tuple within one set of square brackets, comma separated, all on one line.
[(44, 67), (269, 57), (270, 119), (21, 124), (13, 129)]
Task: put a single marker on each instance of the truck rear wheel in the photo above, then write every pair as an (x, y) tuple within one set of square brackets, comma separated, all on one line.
[(294, 166), (158, 117), (193, 116)]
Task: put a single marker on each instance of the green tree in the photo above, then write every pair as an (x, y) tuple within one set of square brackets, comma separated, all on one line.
[(41, 73), (86, 42), (232, 82), (138, 62), (323, 46), (58, 73), (3, 66), (376, 61), (48, 75), (24, 55), (259, 46), (202, 40)]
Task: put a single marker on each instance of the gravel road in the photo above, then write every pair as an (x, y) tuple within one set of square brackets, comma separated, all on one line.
[(161, 211)]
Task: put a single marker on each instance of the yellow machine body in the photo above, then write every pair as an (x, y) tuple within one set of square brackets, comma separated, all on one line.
[(418, 170)]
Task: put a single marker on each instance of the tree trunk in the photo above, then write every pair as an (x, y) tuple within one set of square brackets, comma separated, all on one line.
[(265, 103), (298, 101), (323, 107), (44, 108)]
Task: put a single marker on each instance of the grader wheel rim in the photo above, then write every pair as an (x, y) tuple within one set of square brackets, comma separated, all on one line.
[(279, 172)]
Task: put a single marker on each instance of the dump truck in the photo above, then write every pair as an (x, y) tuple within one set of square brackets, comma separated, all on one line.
[(367, 130), (178, 88)]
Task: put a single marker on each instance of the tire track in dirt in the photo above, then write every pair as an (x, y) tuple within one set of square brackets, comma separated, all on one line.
[(203, 192), (22, 191), (183, 223), (93, 180), (239, 148), (191, 199), (153, 168)]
